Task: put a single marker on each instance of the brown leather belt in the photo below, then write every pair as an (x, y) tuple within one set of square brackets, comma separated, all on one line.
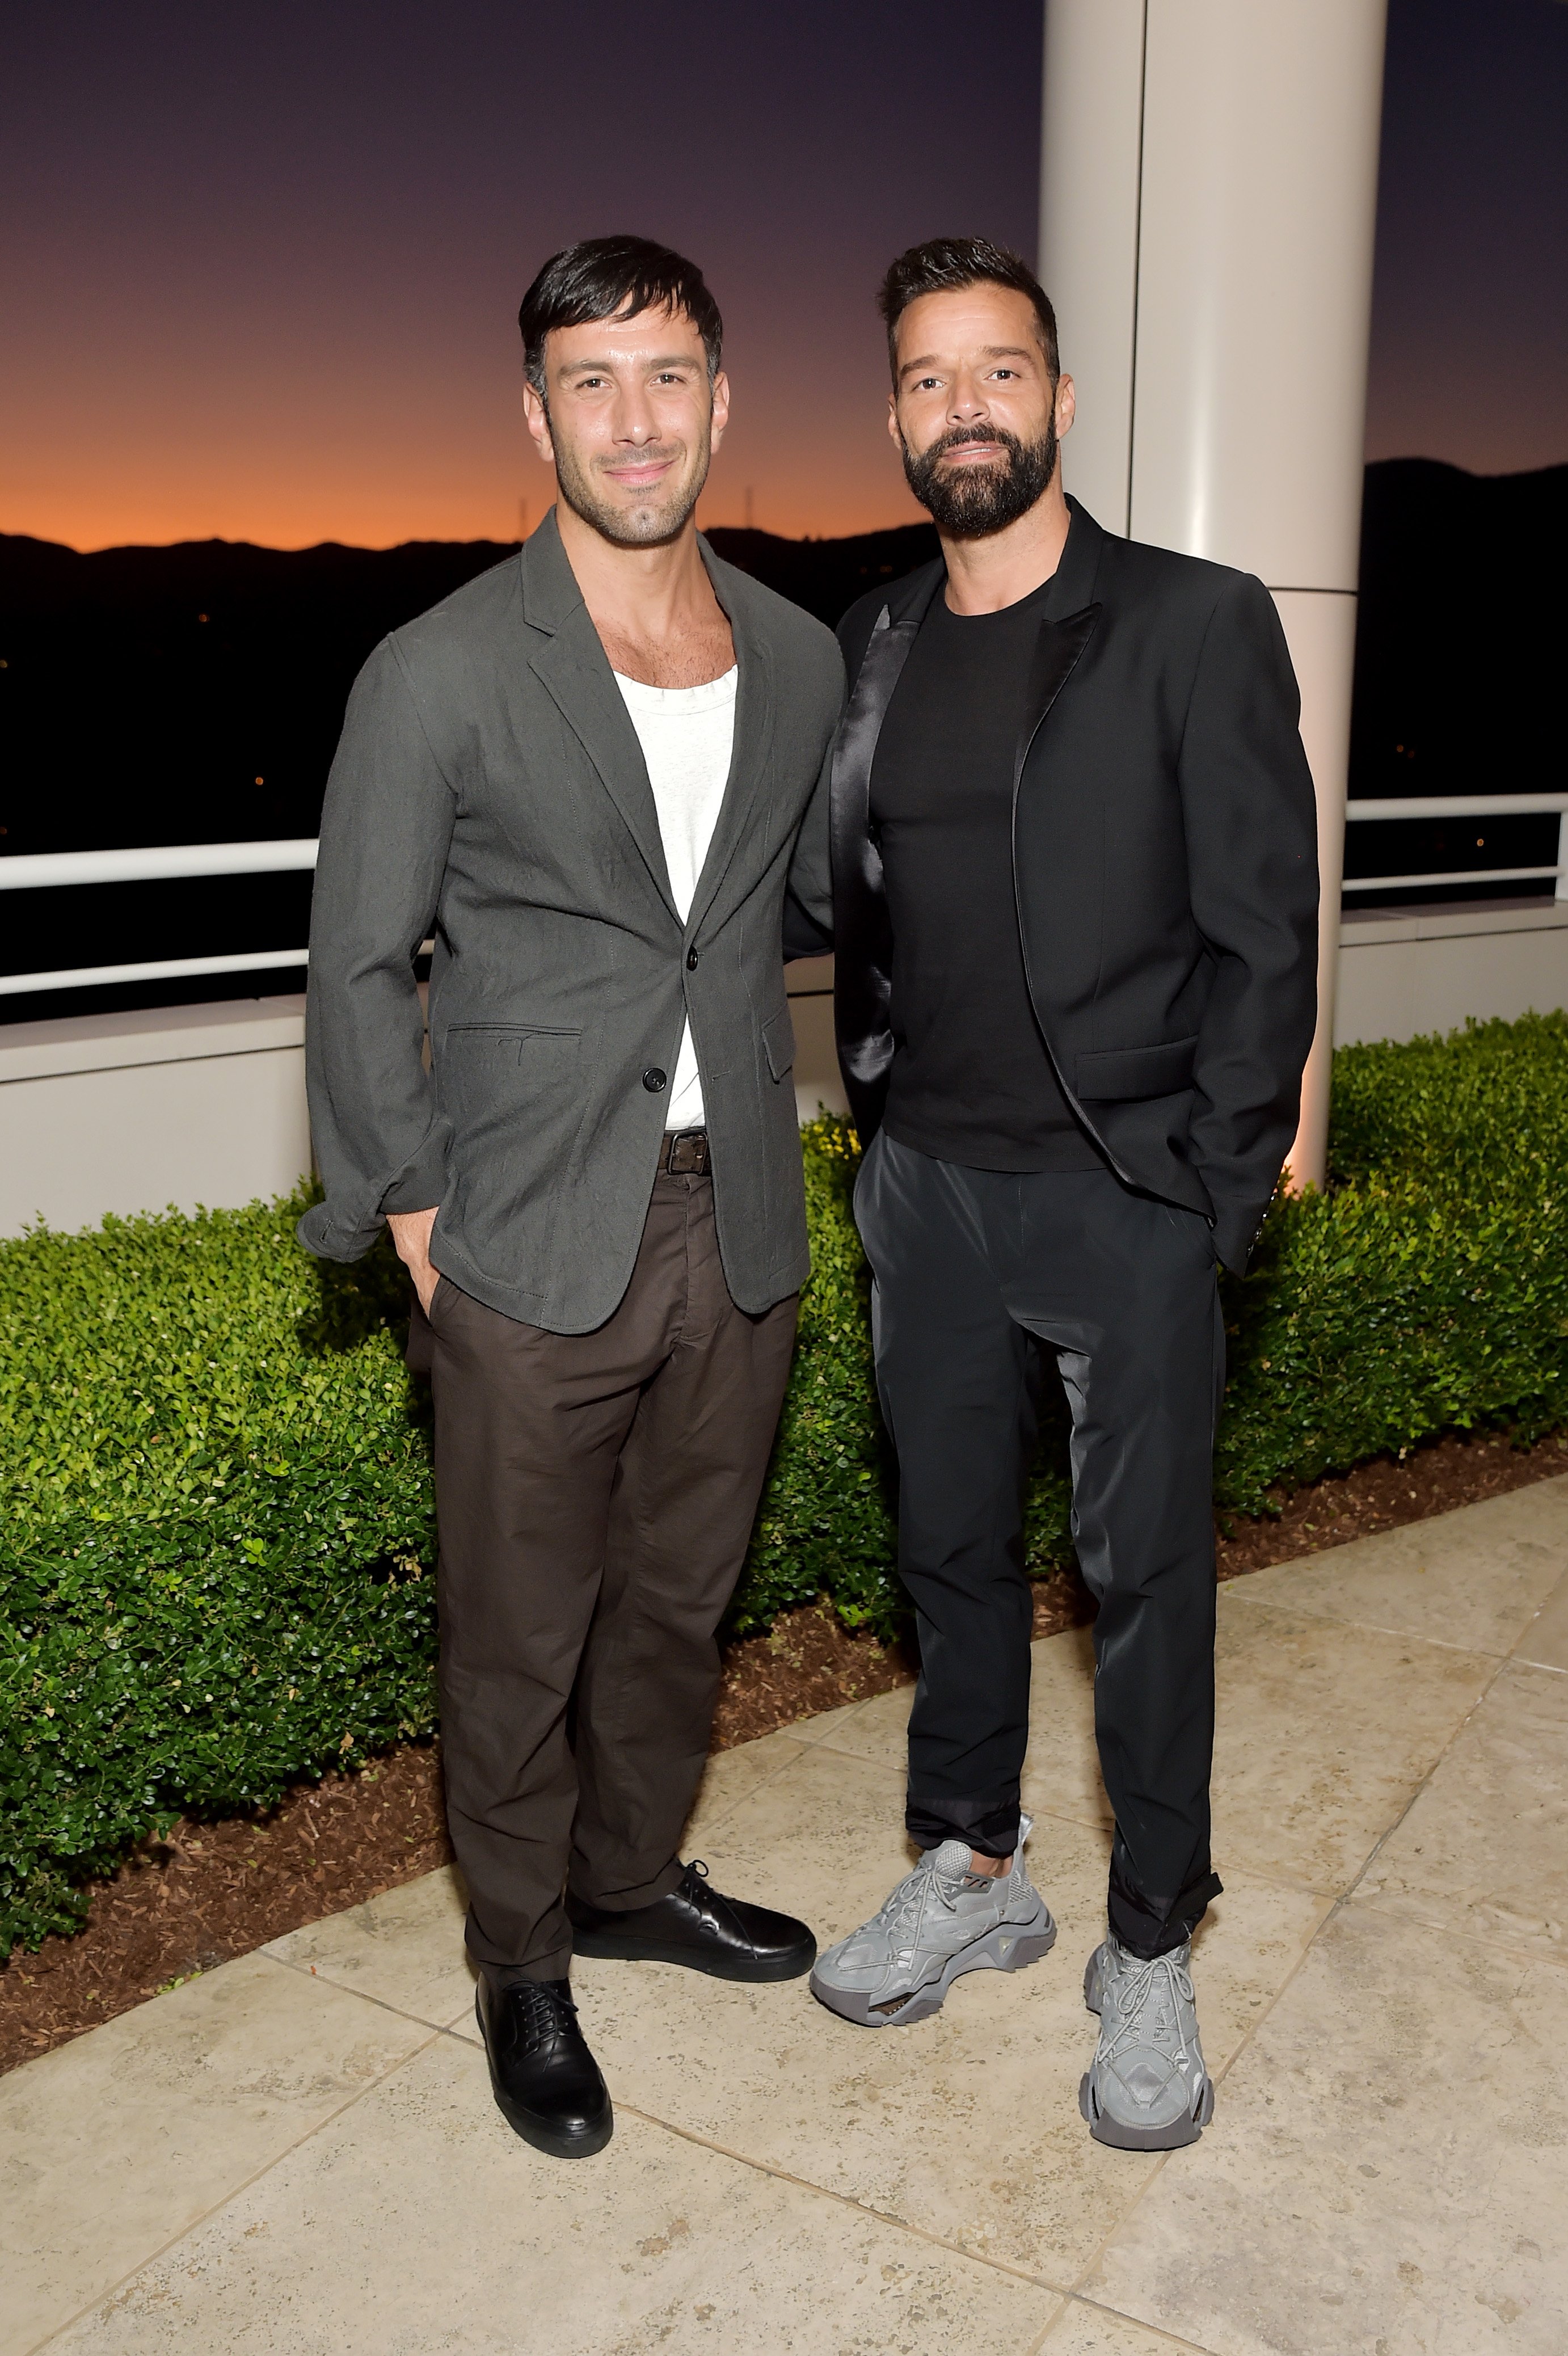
[(684, 1153)]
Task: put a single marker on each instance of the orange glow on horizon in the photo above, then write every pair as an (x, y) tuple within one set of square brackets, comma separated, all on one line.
[(87, 494)]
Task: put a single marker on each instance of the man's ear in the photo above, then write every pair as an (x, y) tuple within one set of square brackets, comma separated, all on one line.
[(536, 417), (720, 418), (893, 421), (1067, 406)]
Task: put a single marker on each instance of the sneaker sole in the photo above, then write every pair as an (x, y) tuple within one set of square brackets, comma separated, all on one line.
[(1009, 1948), (605, 1945), (1122, 2137), (550, 2140)]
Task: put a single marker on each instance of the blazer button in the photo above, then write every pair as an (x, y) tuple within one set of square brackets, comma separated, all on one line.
[(691, 960), (653, 1079)]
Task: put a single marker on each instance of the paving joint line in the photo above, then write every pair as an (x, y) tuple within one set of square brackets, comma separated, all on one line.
[(381, 2003), (1167, 2339), (1252, 2029), (767, 1781), (233, 2193), (845, 2200), (1368, 1627)]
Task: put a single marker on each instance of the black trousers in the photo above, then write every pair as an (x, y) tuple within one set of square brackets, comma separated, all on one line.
[(976, 1273)]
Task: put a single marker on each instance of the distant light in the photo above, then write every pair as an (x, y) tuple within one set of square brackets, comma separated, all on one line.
[(261, 781), (201, 617)]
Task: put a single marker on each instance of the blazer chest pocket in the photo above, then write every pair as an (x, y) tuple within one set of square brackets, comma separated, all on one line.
[(778, 1041), (1122, 1075)]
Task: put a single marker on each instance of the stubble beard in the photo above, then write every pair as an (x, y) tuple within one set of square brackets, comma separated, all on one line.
[(972, 502), (663, 515)]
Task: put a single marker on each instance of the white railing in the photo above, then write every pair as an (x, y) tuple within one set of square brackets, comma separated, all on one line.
[(37, 871), (34, 871), (1468, 806)]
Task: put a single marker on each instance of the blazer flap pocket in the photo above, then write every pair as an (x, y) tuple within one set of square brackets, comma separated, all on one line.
[(1118, 1075), (778, 1039), (519, 1042)]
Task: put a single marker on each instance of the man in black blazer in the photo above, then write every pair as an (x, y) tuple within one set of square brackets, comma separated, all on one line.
[(1067, 858)]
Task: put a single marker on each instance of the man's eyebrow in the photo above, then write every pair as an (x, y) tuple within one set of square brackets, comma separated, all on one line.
[(988, 351), (607, 367)]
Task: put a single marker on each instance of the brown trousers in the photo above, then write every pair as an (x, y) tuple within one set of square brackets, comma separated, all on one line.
[(595, 1493)]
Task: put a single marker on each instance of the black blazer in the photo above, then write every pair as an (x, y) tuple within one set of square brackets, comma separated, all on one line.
[(1164, 857)]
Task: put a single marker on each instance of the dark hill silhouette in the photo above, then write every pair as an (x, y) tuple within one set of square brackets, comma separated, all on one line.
[(194, 693)]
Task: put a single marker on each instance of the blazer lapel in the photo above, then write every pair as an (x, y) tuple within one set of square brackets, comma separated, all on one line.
[(1057, 648), (863, 991), (748, 757), (572, 664)]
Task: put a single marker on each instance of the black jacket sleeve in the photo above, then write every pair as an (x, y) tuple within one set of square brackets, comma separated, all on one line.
[(1251, 832)]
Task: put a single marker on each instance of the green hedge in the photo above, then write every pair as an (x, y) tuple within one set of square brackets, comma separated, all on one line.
[(215, 1557)]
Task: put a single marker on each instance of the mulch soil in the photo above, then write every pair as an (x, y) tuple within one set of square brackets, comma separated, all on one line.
[(212, 1889)]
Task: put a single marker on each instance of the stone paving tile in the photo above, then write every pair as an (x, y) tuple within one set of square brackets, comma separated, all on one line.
[(1061, 1773), (1324, 1733), (1546, 1641), (403, 1949), (419, 2225), (733, 1774), (406, 1948), (126, 2136), (1474, 1578), (1387, 2170), (966, 2125), (1485, 1846)]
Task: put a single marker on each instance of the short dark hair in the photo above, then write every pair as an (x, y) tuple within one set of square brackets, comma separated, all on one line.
[(945, 264), (610, 277)]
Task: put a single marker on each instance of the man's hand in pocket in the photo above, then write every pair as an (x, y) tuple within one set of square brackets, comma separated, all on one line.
[(411, 1235)]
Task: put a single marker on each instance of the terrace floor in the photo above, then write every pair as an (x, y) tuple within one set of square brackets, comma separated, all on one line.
[(297, 2152)]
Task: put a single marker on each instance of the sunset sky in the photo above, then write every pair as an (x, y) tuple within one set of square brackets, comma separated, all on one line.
[(262, 266)]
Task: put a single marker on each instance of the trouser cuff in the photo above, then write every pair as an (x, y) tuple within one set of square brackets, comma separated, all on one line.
[(550, 1967), (989, 1825), (1148, 1925)]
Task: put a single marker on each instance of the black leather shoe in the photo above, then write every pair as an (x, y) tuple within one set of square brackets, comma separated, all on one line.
[(546, 2082), (694, 1925)]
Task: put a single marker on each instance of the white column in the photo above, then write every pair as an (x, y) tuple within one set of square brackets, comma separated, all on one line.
[(1208, 187)]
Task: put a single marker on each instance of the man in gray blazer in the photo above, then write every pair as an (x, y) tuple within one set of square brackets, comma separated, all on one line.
[(584, 773)]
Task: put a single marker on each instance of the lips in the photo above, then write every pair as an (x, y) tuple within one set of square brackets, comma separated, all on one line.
[(637, 478)]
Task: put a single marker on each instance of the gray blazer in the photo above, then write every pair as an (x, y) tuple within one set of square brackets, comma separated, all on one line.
[(489, 789)]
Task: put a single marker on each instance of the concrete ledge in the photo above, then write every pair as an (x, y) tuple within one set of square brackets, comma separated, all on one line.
[(177, 1106), (1406, 972)]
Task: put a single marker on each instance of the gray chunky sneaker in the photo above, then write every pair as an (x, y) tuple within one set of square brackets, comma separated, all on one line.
[(1148, 2088), (940, 1922)]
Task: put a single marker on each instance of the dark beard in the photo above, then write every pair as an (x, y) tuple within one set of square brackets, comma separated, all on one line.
[(978, 500)]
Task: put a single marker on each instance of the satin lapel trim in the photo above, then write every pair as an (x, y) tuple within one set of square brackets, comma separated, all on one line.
[(573, 666), (866, 981), (748, 761), (1057, 651)]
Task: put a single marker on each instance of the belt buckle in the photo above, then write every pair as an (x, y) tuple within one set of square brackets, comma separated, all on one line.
[(688, 1154)]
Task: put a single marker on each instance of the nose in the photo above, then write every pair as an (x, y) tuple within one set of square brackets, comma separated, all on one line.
[(635, 422), (968, 403)]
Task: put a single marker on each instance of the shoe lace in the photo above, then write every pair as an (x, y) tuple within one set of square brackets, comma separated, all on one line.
[(544, 2013), (1136, 1990), (901, 1914)]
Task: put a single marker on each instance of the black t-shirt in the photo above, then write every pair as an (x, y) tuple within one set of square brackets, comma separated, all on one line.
[(972, 1081)]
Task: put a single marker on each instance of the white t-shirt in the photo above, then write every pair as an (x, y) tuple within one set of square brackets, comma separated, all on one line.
[(687, 734)]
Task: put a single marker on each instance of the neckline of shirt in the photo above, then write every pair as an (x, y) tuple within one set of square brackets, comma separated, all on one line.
[(704, 697)]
